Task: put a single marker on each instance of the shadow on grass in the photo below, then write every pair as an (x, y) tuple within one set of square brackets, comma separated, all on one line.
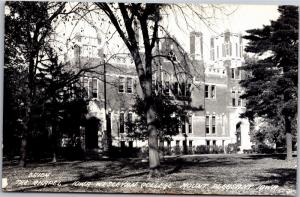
[(280, 177), (263, 156)]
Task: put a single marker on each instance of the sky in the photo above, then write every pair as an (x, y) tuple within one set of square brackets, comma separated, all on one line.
[(236, 18)]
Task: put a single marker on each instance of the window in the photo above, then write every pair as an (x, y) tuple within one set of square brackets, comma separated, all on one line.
[(213, 91), (121, 122), (183, 124), (177, 142), (175, 88), (241, 51), (121, 84), (223, 50), (190, 143), (190, 124), (207, 124), (239, 99), (210, 91), (233, 98), (182, 88), (122, 144), (236, 100), (94, 88), (86, 86), (90, 92), (154, 83), (237, 73), (214, 143), (228, 48), (232, 73), (207, 142), (188, 90), (129, 85), (167, 88), (129, 119), (130, 144), (108, 121), (212, 49), (206, 91), (213, 124)]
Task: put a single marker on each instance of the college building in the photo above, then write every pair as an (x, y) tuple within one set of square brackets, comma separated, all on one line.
[(209, 89)]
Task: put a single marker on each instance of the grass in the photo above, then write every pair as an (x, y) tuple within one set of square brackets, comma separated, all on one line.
[(197, 174)]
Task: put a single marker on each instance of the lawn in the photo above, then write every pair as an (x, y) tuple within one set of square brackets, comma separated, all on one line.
[(196, 174)]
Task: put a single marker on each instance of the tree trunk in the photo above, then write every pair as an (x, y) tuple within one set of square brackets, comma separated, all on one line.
[(54, 143), (23, 150), (154, 161), (26, 127), (153, 140), (289, 144)]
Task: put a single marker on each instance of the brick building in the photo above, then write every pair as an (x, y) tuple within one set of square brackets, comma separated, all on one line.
[(210, 89)]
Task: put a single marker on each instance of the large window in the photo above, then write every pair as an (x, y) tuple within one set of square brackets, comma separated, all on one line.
[(121, 84)]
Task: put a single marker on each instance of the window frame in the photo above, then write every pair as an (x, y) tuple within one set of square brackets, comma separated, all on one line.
[(121, 84), (207, 124), (94, 89), (213, 124), (122, 122), (129, 86)]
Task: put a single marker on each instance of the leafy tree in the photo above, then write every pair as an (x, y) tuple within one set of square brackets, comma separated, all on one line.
[(29, 30), (168, 118), (271, 89)]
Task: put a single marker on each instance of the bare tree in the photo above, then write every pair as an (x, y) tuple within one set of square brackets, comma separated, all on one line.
[(125, 18)]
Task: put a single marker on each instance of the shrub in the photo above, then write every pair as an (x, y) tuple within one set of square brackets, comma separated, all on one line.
[(144, 152), (263, 149), (232, 148), (202, 149)]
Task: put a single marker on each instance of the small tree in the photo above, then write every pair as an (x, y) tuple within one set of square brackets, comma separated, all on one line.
[(168, 121)]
